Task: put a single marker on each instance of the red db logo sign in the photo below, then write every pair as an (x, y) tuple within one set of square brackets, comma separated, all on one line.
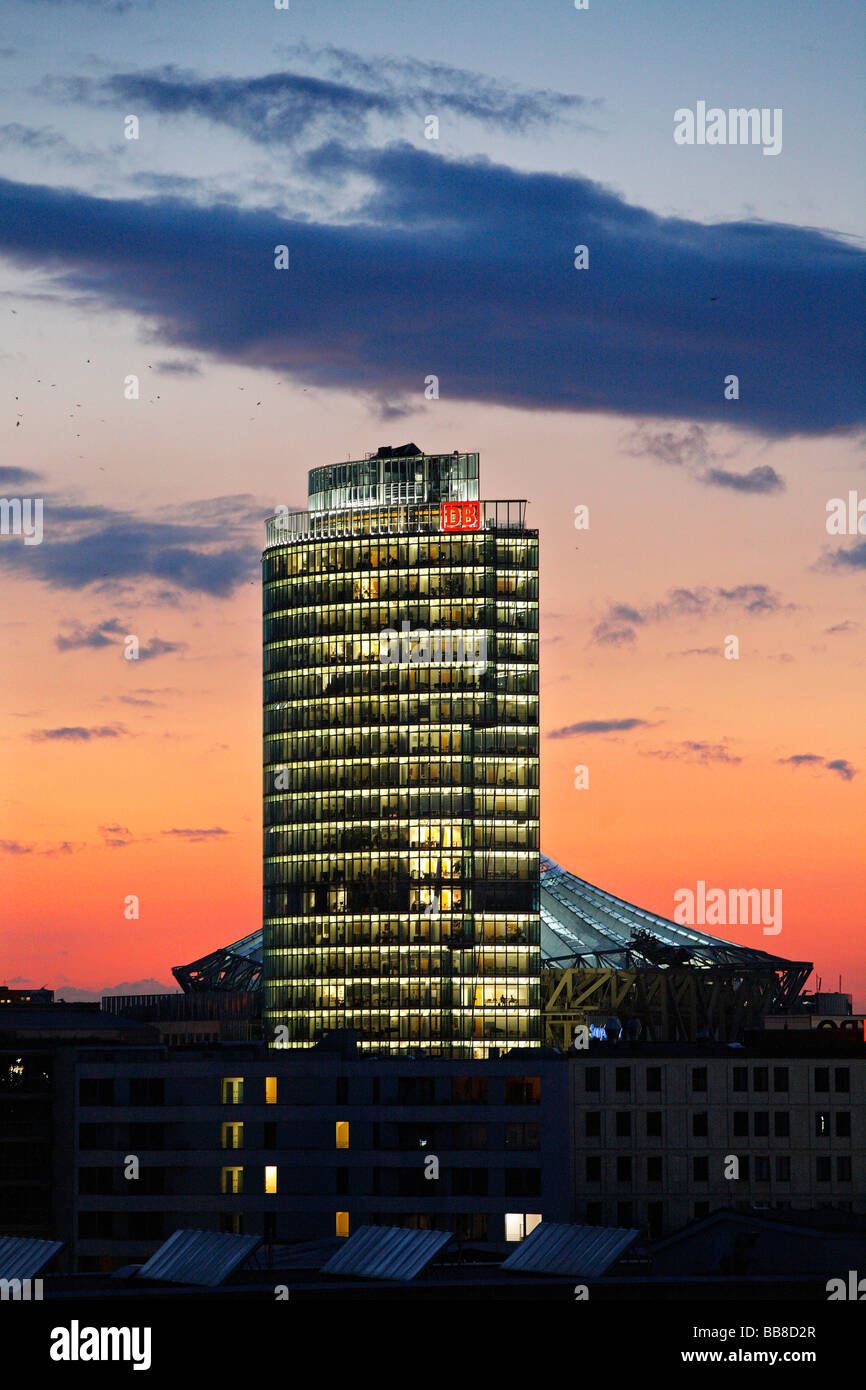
[(460, 516)]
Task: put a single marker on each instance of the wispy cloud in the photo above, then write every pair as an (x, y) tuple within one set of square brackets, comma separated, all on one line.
[(841, 766), (194, 835), (617, 627), (694, 751), (598, 726), (77, 733)]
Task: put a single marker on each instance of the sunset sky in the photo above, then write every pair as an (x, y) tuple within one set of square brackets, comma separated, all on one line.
[(410, 257)]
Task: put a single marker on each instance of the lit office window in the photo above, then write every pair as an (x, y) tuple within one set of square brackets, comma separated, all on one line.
[(233, 1136), (519, 1224), (233, 1090), (270, 1178), (342, 1134), (232, 1180), (270, 1090), (342, 1223)]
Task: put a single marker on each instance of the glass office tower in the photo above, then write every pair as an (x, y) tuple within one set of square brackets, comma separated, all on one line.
[(401, 865)]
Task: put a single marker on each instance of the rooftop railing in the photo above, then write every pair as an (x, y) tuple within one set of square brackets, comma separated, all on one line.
[(285, 528)]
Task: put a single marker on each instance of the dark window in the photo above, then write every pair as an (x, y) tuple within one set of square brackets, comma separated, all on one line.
[(592, 1124), (342, 1096), (269, 1225), (702, 1209), (842, 1079), (822, 1078), (780, 1078), (147, 1090), (146, 1136), (623, 1124), (269, 1134), (744, 1168), (699, 1078), (843, 1124), (654, 1169), (822, 1124), (469, 1090), (93, 1136), (594, 1213), (653, 1078), (843, 1168), (94, 1182), (470, 1226), (783, 1168), (741, 1079), (522, 1182), (761, 1079), (655, 1219), (623, 1078), (761, 1121), (623, 1169), (701, 1169), (415, 1090), (593, 1168), (522, 1090), (741, 1123), (232, 1222), (592, 1078), (95, 1225), (468, 1182), (522, 1136), (700, 1124), (762, 1169), (822, 1169), (145, 1225), (625, 1213), (96, 1090), (782, 1124), (654, 1124), (342, 1183)]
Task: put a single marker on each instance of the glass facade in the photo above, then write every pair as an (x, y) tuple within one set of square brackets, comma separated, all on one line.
[(401, 865)]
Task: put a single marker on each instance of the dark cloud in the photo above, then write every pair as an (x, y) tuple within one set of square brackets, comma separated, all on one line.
[(77, 733), (157, 647), (598, 726), (102, 635), (762, 479), (15, 847), (89, 544), (17, 476), (178, 368), (840, 766), (617, 628), (854, 558), (846, 626), (464, 270)]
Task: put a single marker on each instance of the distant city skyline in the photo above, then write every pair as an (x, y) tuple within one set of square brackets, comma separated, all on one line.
[(167, 386)]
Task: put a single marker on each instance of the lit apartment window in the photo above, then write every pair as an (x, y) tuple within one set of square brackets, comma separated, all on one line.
[(519, 1224), (271, 1178), (270, 1090), (232, 1180), (233, 1090), (233, 1136), (341, 1129), (342, 1224)]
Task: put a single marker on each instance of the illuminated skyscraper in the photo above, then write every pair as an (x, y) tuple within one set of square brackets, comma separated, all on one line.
[(401, 865)]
